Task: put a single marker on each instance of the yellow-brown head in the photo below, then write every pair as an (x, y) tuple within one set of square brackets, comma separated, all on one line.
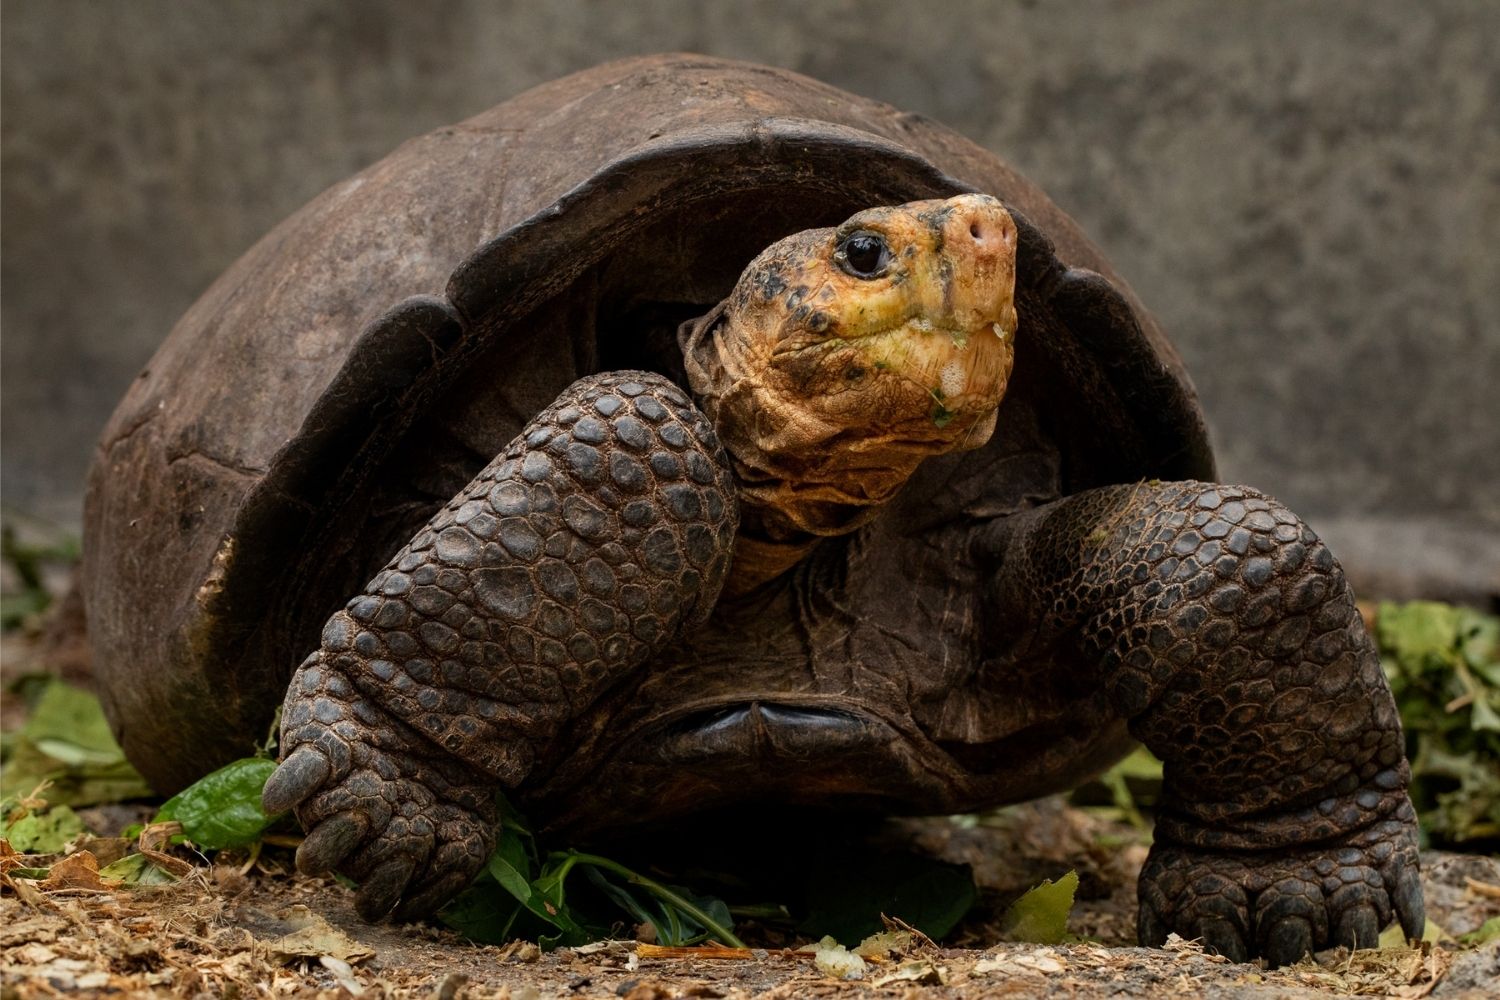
[(845, 356)]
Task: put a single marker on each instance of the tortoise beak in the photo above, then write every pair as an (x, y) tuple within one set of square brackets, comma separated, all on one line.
[(977, 265)]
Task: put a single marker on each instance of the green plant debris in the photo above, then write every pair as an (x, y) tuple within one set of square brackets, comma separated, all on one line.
[(222, 809), (847, 892), (1127, 790), (1443, 664), (27, 562), (1487, 931), (1040, 916), (1432, 933), (518, 895), (66, 741), (33, 828), (31, 873), (137, 869), (677, 915)]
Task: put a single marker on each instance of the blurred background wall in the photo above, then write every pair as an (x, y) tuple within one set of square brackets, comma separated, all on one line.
[(1307, 195)]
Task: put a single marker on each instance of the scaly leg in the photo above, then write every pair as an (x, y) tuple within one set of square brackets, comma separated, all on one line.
[(1225, 633), (579, 552)]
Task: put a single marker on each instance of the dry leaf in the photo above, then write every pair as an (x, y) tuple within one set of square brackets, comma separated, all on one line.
[(106, 850), (25, 890), (922, 972), (342, 974), (884, 943), (78, 871), (154, 842), (1044, 961), (313, 937)]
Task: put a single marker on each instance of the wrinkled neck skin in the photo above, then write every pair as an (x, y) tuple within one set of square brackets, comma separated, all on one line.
[(828, 389)]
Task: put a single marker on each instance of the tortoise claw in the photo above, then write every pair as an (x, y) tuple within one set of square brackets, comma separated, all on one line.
[(386, 807), (379, 891), (1358, 927), (1282, 905), (1222, 936), (299, 776), (1289, 939), (427, 900), (1407, 900), (330, 842), (1150, 928)]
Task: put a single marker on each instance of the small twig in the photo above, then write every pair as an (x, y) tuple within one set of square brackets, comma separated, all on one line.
[(1462, 701), (249, 865), (281, 839), (719, 951), (897, 924), (1482, 888)]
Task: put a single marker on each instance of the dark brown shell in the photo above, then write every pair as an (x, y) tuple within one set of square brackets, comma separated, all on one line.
[(378, 347)]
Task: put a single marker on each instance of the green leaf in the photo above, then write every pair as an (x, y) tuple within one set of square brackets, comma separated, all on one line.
[(1487, 931), (667, 930), (27, 767), (848, 892), (1482, 716), (1130, 785), (31, 873), (67, 741), (15, 609), (514, 860), (503, 866), (222, 809), (1040, 916), (44, 831), (1443, 664), (68, 725), (505, 902), (1479, 642), (137, 869), (659, 906), (482, 913), (1418, 633), (549, 902)]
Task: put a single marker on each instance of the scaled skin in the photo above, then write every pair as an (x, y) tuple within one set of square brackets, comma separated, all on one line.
[(558, 628), (829, 386)]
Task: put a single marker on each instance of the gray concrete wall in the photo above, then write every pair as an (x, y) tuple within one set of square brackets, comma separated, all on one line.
[(1308, 195)]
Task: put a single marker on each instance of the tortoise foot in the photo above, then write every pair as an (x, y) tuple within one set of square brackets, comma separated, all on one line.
[(380, 804), (1281, 905)]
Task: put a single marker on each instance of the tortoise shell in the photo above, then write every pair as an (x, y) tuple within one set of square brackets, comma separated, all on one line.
[(357, 366)]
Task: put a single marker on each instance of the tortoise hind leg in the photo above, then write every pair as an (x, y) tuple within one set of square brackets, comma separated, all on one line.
[(581, 550), (1225, 634)]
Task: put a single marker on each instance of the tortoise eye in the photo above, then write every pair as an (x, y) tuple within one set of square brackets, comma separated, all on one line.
[(864, 254)]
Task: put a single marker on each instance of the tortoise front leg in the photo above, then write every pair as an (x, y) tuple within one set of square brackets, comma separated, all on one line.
[(1224, 631), (573, 557)]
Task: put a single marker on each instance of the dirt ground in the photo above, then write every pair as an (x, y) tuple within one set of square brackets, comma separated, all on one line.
[(246, 926), (234, 929)]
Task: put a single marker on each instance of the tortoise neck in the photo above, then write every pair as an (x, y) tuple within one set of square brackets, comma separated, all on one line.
[(791, 495)]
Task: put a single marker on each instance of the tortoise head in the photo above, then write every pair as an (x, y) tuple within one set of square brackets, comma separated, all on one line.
[(845, 356)]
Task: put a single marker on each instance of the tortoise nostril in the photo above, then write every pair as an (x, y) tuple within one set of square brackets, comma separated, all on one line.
[(989, 233)]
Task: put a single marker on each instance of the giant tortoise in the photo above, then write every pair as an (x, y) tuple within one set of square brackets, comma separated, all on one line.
[(691, 435)]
